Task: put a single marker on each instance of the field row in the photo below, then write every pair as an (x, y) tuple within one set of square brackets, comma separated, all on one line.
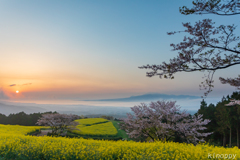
[(95, 126), (91, 121), (17, 129), (30, 147)]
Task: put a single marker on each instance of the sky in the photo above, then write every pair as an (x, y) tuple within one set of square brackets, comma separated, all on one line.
[(58, 49)]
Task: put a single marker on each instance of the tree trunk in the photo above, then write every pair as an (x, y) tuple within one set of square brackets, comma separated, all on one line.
[(224, 140), (230, 138), (237, 138)]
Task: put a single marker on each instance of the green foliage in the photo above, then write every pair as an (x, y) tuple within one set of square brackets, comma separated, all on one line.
[(223, 119), (21, 118), (34, 133), (121, 133)]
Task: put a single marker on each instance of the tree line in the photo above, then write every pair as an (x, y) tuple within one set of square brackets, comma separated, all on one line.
[(22, 118), (224, 120)]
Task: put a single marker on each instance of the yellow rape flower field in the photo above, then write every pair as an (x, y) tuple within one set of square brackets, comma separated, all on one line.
[(91, 121), (15, 144), (16, 129), (95, 126)]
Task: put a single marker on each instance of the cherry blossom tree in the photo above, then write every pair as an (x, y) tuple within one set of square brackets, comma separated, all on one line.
[(163, 120), (59, 123), (207, 48), (233, 102)]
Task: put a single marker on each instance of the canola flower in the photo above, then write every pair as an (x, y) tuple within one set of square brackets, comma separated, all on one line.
[(95, 126), (19, 146), (17, 129), (91, 121)]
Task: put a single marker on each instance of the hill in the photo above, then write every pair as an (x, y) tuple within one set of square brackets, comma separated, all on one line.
[(149, 97)]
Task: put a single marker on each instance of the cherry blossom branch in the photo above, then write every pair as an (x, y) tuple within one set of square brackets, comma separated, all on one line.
[(231, 7), (233, 82), (191, 56)]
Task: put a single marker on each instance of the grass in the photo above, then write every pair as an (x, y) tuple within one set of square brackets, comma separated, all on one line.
[(121, 133)]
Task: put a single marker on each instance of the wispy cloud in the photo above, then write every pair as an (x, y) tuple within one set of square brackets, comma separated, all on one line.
[(12, 85)]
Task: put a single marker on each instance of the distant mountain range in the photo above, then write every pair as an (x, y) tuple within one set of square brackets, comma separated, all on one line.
[(149, 97)]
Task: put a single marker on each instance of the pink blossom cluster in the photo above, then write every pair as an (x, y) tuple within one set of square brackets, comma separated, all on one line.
[(233, 102), (163, 120), (232, 81), (207, 48), (58, 122)]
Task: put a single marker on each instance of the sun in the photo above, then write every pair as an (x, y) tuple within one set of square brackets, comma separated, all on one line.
[(17, 91)]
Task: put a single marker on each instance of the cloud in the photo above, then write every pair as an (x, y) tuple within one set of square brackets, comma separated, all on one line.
[(12, 85)]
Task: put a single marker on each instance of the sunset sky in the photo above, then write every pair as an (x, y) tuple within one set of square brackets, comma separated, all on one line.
[(92, 49)]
